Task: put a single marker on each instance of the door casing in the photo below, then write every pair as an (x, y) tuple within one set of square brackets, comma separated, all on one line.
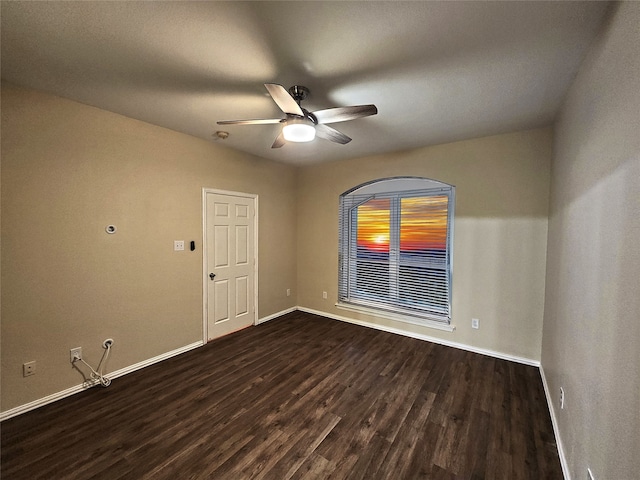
[(205, 255)]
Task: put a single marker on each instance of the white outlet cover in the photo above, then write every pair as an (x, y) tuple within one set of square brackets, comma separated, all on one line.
[(28, 369), (178, 245)]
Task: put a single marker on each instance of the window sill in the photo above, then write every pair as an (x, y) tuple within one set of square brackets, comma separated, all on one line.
[(396, 317)]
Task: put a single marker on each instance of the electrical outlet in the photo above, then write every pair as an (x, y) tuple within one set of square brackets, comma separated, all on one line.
[(29, 369), (178, 245), (561, 398), (475, 323), (324, 295), (288, 292), (75, 354)]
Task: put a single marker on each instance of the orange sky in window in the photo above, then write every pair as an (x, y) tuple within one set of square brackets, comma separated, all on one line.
[(416, 232), (373, 224)]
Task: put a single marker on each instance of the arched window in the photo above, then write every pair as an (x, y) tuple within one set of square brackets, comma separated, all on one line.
[(395, 247)]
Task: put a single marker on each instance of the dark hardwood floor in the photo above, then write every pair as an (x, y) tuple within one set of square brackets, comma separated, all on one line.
[(298, 397)]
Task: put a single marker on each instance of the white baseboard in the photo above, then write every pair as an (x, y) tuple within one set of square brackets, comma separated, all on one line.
[(82, 387), (118, 373), (556, 431), (27, 407), (276, 315), (398, 331)]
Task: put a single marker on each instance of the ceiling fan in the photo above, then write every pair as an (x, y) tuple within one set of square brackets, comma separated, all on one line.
[(301, 125)]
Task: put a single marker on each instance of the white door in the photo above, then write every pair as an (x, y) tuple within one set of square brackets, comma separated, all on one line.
[(229, 258)]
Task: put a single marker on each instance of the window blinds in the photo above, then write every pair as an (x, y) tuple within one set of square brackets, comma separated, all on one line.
[(395, 251)]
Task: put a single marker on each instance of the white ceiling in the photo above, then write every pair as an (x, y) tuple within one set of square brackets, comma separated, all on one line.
[(437, 71)]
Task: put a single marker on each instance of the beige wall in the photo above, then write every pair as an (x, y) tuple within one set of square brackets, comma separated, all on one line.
[(502, 189), (68, 170), (591, 336)]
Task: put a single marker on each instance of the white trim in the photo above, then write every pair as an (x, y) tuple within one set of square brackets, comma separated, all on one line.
[(205, 304), (556, 430), (276, 315), (215, 191), (398, 331), (256, 223), (397, 317), (82, 387)]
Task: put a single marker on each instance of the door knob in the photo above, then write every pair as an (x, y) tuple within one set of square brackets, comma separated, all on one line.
[(212, 276)]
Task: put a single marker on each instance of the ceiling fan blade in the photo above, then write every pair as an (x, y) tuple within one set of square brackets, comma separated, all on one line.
[(285, 101), (279, 141), (342, 114), (331, 134), (258, 121)]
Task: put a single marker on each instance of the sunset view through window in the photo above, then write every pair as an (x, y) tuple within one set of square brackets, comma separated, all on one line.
[(423, 224), (395, 247)]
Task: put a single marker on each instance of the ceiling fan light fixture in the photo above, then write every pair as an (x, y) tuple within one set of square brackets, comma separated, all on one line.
[(301, 125), (299, 130)]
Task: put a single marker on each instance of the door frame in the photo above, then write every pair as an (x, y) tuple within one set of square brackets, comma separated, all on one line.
[(205, 253)]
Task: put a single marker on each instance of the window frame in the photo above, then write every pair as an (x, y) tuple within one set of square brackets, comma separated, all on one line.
[(395, 188)]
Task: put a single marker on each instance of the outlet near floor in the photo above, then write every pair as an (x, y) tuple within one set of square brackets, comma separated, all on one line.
[(75, 354)]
